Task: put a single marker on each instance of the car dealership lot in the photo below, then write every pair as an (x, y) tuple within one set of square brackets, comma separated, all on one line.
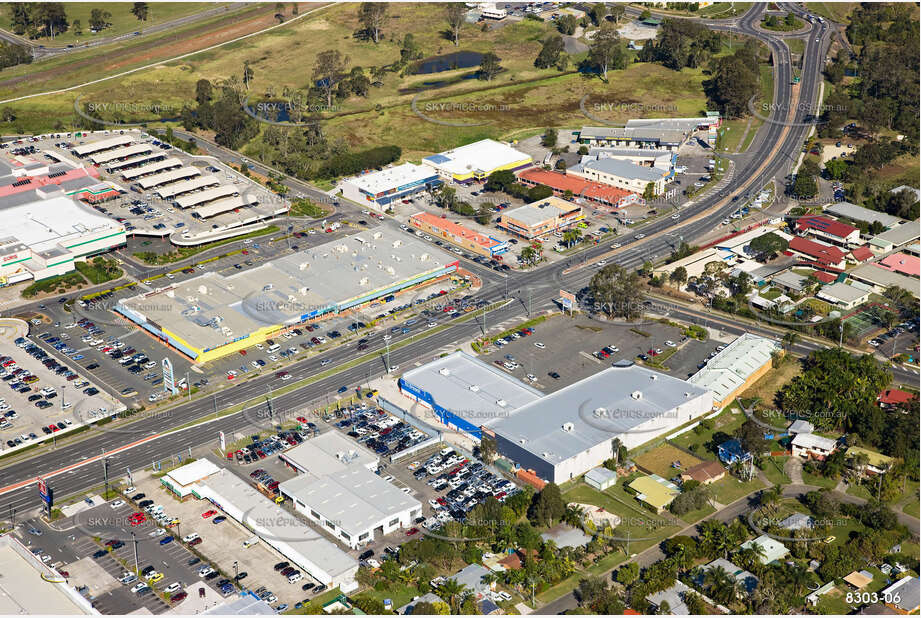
[(42, 394)]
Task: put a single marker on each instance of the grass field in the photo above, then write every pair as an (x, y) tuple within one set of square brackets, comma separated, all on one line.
[(773, 470), (766, 388), (729, 489), (122, 20), (659, 460), (696, 442), (521, 100), (835, 11), (797, 46)]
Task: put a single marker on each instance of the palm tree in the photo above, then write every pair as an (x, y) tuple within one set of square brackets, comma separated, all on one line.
[(798, 578), (574, 515), (572, 236), (452, 591), (789, 340), (721, 585)]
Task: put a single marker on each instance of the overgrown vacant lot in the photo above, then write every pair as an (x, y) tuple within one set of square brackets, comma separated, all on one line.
[(520, 101)]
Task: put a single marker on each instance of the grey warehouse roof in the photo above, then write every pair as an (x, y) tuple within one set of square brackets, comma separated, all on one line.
[(859, 213), (354, 499), (624, 169), (591, 411), (330, 452), (471, 389)]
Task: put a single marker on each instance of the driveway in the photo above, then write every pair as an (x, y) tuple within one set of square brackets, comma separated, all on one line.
[(793, 468)]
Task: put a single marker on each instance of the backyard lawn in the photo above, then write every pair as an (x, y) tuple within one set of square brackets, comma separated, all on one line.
[(696, 439), (730, 489), (659, 460), (773, 470)]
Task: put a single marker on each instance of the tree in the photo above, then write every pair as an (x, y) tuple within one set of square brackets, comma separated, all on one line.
[(572, 236), (548, 506), (248, 74), (566, 24), (489, 66), (456, 14), (649, 192), (487, 449), (549, 137), (372, 16), (529, 255), (598, 12), (452, 591), (99, 19), (679, 276), (618, 292), (628, 573), (550, 51), (733, 84), (328, 68), (768, 244), (607, 51), (140, 10), (617, 12), (77, 27)]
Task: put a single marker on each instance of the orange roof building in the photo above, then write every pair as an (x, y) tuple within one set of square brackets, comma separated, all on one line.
[(590, 190)]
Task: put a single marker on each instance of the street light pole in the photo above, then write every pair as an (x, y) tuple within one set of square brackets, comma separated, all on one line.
[(105, 472), (136, 563)]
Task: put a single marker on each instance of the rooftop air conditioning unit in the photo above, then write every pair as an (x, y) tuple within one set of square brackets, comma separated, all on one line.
[(501, 403), (364, 281), (636, 395), (202, 289), (568, 427), (397, 243), (376, 235), (303, 266), (444, 371), (267, 287), (303, 290), (475, 388), (423, 257), (391, 271), (653, 377)]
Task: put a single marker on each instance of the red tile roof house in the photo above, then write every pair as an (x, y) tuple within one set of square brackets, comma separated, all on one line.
[(892, 397), (824, 255), (823, 276), (829, 229), (861, 254)]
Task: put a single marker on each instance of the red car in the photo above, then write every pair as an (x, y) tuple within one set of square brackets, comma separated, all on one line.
[(412, 531), (179, 596), (195, 541), (230, 376), (301, 419), (208, 514), (245, 252), (242, 352), (53, 428)]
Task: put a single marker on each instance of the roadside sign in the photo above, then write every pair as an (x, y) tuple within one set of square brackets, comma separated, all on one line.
[(568, 299), (44, 492)]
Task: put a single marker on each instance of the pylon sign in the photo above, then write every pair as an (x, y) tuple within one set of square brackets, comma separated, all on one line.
[(169, 384)]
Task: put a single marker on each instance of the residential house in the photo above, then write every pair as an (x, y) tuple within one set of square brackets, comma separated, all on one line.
[(428, 597), (705, 472), (903, 595), (654, 491), (877, 463), (471, 576), (487, 608), (797, 521), (844, 295), (800, 426), (674, 598), (894, 397), (772, 549), (747, 581), (858, 579), (812, 446), (731, 452)]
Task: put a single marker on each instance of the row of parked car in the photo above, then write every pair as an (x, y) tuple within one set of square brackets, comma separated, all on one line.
[(467, 483), (260, 448), (384, 434)]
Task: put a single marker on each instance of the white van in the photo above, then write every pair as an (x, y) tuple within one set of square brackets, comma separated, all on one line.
[(274, 348), (250, 542)]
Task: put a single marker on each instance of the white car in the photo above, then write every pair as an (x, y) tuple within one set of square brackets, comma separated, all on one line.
[(205, 571), (157, 532), (431, 324), (190, 537), (139, 587), (151, 575), (600, 263), (174, 587), (287, 376), (532, 377), (117, 503), (670, 343), (640, 236), (374, 564), (676, 216), (538, 344)]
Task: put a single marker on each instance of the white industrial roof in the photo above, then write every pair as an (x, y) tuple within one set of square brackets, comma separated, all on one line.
[(299, 542), (178, 188), (206, 196), (24, 589), (470, 388), (900, 234), (624, 169), (193, 472), (165, 164), (392, 178), (859, 213), (42, 224), (354, 499), (330, 452), (121, 153), (112, 142), (149, 182), (609, 403), (729, 369), (485, 155)]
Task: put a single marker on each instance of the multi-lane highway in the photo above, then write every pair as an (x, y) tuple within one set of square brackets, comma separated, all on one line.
[(773, 153)]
